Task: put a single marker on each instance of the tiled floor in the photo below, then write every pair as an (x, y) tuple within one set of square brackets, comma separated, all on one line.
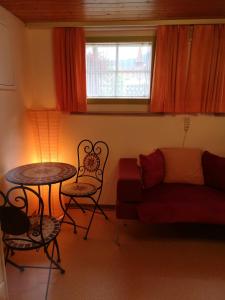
[(184, 262)]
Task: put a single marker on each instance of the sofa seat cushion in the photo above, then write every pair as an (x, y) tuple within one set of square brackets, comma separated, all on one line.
[(174, 203)]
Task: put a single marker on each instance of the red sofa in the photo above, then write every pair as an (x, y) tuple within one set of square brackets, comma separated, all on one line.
[(169, 202)]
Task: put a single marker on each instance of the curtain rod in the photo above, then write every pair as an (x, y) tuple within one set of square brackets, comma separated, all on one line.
[(113, 24), (120, 28)]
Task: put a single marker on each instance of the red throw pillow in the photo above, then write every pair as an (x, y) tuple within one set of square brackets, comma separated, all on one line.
[(153, 168), (213, 170)]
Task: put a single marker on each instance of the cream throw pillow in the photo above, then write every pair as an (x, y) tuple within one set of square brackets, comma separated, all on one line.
[(183, 165)]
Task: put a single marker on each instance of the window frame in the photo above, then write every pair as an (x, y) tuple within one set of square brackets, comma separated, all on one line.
[(123, 39)]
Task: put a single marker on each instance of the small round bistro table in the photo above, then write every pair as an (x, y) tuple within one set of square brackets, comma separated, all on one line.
[(38, 174)]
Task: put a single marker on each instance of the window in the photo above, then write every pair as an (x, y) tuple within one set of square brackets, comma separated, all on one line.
[(118, 70)]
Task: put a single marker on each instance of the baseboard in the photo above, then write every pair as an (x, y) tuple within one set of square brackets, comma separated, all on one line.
[(89, 206)]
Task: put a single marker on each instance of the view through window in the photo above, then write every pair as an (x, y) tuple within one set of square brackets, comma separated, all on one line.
[(118, 70)]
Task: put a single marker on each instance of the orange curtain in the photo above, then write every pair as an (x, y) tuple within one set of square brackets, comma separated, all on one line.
[(69, 69), (206, 76), (189, 73), (170, 69)]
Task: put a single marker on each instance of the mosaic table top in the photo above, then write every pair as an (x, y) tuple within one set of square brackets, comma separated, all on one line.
[(41, 173)]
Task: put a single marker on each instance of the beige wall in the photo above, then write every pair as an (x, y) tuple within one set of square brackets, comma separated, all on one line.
[(12, 98), (126, 135), (12, 146)]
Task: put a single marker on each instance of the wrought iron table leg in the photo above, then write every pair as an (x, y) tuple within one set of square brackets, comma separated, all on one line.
[(6, 254), (49, 199), (39, 192)]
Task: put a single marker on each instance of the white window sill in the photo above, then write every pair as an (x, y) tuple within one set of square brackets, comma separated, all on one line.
[(118, 108)]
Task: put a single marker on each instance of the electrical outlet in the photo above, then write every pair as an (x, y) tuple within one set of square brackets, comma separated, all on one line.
[(187, 123)]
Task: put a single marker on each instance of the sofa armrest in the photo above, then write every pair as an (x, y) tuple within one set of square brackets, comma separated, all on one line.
[(129, 183)]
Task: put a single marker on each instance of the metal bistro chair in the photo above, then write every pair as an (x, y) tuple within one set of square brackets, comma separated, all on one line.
[(25, 227), (92, 159)]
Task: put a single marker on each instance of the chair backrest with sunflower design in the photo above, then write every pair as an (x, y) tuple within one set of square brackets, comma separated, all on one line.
[(92, 158)]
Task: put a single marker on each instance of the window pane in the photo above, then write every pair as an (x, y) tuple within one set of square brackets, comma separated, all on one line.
[(101, 84), (100, 57), (118, 70), (134, 58), (133, 85)]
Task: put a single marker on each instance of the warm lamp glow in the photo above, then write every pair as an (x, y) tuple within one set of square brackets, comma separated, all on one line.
[(45, 129)]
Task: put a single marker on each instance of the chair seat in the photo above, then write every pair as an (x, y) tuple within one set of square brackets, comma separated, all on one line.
[(78, 189), (50, 229)]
